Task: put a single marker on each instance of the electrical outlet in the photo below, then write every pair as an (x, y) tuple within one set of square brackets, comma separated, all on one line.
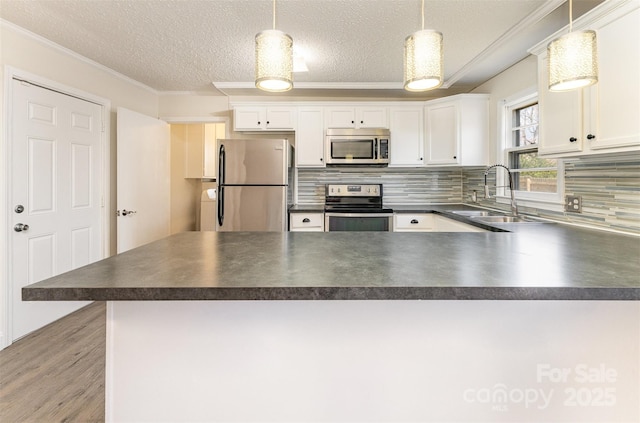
[(573, 203)]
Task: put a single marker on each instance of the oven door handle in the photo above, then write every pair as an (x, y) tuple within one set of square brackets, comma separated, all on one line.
[(358, 214)]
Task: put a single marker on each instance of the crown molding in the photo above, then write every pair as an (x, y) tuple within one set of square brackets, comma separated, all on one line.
[(535, 17), (48, 43)]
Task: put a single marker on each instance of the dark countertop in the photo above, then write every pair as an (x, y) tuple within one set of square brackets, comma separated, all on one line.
[(533, 262), (307, 208)]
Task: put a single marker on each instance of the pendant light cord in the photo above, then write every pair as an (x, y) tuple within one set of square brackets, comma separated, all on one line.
[(570, 15), (422, 14), (274, 14)]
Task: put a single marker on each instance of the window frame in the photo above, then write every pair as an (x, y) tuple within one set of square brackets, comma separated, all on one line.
[(544, 200)]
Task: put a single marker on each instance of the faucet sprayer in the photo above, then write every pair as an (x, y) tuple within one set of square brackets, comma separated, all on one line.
[(514, 207)]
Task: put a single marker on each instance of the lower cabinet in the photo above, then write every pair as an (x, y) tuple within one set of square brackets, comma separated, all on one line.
[(413, 222), (429, 222), (306, 222)]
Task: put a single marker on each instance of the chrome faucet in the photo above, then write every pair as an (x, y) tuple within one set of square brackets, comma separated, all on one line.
[(514, 206)]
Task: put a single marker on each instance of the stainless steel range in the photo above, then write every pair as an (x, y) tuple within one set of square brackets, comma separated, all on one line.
[(355, 207)]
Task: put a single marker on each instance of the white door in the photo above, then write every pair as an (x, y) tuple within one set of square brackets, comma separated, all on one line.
[(55, 196), (143, 179)]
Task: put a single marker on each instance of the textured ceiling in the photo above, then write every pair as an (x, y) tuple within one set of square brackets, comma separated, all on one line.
[(187, 45)]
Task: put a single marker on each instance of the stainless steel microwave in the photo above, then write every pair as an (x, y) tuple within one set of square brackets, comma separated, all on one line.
[(357, 147)]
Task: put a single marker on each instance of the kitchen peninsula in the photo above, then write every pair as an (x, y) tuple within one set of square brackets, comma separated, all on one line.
[(411, 352)]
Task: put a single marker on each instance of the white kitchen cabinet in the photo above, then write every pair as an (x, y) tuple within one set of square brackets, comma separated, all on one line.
[(457, 130), (306, 222), (429, 222), (413, 222), (406, 125), (200, 145), (264, 118), (357, 117), (602, 118), (560, 117), (310, 137)]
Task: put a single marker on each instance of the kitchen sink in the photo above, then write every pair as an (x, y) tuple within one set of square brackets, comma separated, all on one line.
[(491, 216), (473, 213), (502, 219)]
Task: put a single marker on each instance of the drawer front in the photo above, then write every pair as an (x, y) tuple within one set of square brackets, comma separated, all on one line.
[(413, 222), (309, 222)]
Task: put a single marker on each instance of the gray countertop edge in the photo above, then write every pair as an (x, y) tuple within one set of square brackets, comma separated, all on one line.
[(331, 293)]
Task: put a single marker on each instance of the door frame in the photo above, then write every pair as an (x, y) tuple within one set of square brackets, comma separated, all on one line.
[(10, 73)]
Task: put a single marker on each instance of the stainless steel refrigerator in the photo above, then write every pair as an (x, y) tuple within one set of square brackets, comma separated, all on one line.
[(254, 181)]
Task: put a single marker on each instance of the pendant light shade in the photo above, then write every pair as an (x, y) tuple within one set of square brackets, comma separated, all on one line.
[(423, 60), (573, 61), (274, 61)]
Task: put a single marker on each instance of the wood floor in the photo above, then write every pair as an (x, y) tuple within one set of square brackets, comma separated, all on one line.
[(56, 374)]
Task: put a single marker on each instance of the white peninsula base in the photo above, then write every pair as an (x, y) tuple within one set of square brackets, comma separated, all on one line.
[(365, 361)]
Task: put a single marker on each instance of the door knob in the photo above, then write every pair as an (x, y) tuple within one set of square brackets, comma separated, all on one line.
[(19, 208), (21, 227), (126, 212)]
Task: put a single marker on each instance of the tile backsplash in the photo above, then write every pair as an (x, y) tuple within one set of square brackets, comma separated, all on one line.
[(401, 186), (609, 186)]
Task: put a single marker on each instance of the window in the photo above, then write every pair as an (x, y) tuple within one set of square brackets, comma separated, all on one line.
[(534, 177)]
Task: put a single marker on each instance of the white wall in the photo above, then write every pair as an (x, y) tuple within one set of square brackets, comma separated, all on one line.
[(209, 108), (29, 53), (521, 76)]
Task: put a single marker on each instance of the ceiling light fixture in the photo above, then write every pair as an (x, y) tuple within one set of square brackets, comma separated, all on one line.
[(423, 59), (274, 59), (573, 59)]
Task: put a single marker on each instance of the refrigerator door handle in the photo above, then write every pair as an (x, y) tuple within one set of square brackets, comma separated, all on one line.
[(222, 162), (220, 205), (221, 165)]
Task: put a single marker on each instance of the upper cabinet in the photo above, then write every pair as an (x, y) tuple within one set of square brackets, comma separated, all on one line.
[(602, 118), (357, 117), (406, 125), (310, 137), (451, 131), (262, 118), (457, 131)]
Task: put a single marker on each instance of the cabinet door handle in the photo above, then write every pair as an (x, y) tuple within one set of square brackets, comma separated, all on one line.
[(455, 157), (362, 121), (306, 220), (267, 122), (573, 139), (258, 122), (590, 136), (414, 221), (321, 159)]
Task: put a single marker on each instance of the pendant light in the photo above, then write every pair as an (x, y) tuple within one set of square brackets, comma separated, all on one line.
[(274, 59), (573, 59), (423, 59)]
